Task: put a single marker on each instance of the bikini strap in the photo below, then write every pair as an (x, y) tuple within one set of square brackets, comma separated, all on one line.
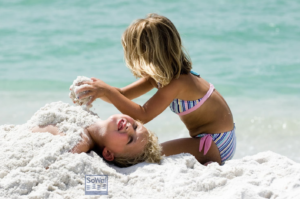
[(206, 96), (194, 73), (158, 85)]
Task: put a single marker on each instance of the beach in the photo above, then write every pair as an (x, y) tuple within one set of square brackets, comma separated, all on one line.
[(248, 50), (39, 165)]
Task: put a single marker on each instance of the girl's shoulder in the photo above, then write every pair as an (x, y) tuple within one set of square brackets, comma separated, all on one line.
[(177, 83), (189, 86), (182, 79), (153, 82)]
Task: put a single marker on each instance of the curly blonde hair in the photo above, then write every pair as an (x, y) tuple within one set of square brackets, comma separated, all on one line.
[(151, 154), (152, 47)]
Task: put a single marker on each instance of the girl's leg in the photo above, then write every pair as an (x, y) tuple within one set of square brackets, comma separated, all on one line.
[(191, 145)]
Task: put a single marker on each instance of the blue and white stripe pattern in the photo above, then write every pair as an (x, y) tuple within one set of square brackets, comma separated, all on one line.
[(226, 143), (179, 106)]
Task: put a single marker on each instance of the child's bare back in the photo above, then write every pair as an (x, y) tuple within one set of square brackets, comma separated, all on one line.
[(213, 116)]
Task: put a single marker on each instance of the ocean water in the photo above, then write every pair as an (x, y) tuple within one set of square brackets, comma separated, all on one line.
[(250, 51)]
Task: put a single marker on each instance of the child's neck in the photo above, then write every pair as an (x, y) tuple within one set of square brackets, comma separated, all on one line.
[(94, 132)]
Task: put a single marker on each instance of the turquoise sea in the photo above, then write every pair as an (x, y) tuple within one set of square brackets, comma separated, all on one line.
[(250, 51)]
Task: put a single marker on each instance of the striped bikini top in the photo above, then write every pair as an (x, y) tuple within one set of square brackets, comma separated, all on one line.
[(183, 107)]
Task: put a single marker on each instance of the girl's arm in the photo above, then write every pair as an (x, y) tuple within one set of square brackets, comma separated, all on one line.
[(131, 91), (138, 88), (153, 107), (85, 145)]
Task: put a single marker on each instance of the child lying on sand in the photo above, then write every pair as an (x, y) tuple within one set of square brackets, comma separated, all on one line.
[(119, 139)]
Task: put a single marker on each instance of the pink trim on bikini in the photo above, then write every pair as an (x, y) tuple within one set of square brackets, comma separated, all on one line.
[(205, 143), (206, 96)]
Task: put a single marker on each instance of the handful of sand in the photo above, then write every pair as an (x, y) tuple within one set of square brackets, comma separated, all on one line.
[(77, 84)]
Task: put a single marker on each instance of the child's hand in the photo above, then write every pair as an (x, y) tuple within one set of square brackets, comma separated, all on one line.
[(95, 89)]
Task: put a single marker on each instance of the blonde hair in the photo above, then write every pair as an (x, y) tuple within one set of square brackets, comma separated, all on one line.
[(151, 154), (152, 47)]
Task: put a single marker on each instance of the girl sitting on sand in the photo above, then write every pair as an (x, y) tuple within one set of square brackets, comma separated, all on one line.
[(154, 53), (118, 139)]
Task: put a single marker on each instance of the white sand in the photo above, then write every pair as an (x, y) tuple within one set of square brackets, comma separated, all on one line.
[(77, 84), (25, 155)]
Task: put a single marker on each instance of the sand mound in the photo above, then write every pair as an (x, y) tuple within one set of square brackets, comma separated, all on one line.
[(25, 155)]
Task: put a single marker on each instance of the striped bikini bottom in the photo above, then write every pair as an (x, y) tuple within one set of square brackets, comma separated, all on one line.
[(226, 143)]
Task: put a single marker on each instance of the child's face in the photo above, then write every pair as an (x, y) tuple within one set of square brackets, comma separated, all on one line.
[(124, 135)]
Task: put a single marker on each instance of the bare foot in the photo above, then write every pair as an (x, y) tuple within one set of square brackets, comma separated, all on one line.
[(207, 163)]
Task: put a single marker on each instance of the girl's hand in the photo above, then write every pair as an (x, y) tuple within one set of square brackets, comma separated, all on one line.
[(95, 89)]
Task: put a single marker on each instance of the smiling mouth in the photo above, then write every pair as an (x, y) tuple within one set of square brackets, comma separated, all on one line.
[(121, 124)]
